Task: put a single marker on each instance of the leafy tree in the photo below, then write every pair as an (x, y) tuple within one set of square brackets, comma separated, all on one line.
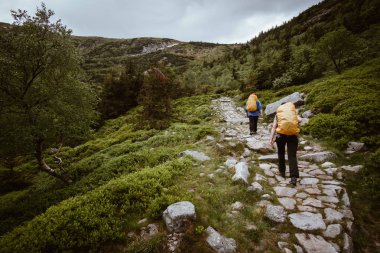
[(337, 46), (43, 101), (156, 96), (121, 92)]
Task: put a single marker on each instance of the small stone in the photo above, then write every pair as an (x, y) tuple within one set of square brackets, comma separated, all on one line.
[(251, 227), (272, 181), (318, 157), (348, 245), (298, 248), (347, 213), (275, 213), (241, 172), (220, 243), (312, 202), (328, 165), (328, 199), (330, 192), (202, 174), (288, 203), (150, 231), (333, 182), (352, 168), (237, 206), (196, 155), (269, 173), (265, 166), (255, 187), (355, 146), (142, 221), (263, 203), (260, 177), (231, 162), (211, 176), (331, 171), (307, 209), (178, 215), (349, 226), (333, 230), (333, 215), (313, 191), (317, 172), (309, 181), (308, 148), (266, 196)]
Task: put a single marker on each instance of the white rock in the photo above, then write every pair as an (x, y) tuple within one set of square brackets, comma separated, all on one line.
[(355, 146), (247, 152), (285, 191), (241, 172), (150, 231), (307, 209), (272, 158), (347, 213), (308, 148), (328, 165), (333, 182), (178, 215), (317, 172), (331, 171), (269, 173), (333, 215), (314, 191), (265, 166), (260, 177), (302, 195), (259, 146), (318, 157), (288, 203), (298, 248), (255, 187), (263, 203), (352, 168), (346, 199), (267, 197), (315, 244), (312, 202), (328, 199), (307, 221), (309, 180), (275, 213), (231, 162), (196, 155), (333, 230), (307, 114), (330, 192), (220, 243)]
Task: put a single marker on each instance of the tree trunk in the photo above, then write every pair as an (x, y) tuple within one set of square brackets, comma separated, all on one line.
[(42, 164)]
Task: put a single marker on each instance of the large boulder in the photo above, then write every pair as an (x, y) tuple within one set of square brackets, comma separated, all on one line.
[(178, 215), (220, 243), (241, 172), (295, 98)]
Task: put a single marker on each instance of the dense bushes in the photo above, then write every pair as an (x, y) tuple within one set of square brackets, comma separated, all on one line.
[(85, 221)]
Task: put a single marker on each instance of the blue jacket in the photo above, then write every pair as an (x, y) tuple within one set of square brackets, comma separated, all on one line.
[(255, 113)]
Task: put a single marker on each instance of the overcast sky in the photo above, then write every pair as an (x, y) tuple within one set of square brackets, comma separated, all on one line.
[(223, 21)]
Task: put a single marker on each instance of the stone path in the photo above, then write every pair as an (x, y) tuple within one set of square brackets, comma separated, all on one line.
[(318, 207)]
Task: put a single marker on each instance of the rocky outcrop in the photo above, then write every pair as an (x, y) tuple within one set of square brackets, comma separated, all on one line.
[(296, 98)]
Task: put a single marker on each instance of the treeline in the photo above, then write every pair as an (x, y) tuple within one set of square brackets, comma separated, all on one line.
[(330, 36)]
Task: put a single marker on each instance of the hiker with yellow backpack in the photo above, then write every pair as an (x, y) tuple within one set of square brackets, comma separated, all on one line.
[(253, 108), (285, 125)]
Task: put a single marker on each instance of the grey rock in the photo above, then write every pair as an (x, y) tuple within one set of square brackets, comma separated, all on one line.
[(275, 213), (142, 221), (196, 155), (302, 195), (348, 245), (288, 203), (352, 168), (295, 98), (259, 146), (255, 187), (269, 173), (349, 226), (265, 166), (347, 213), (220, 243), (304, 121), (346, 199), (333, 215), (312, 202), (263, 203), (237, 206), (231, 162), (308, 148), (330, 192), (267, 197), (309, 181), (285, 191), (318, 157), (328, 165), (298, 248), (307, 221), (307, 209), (231, 133), (307, 114), (260, 177), (271, 158), (241, 172), (149, 231), (315, 244), (355, 146), (178, 215), (247, 152), (317, 172), (331, 171), (314, 191), (333, 230), (328, 199)]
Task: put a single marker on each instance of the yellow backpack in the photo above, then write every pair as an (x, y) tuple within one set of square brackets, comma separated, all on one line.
[(287, 122), (251, 103)]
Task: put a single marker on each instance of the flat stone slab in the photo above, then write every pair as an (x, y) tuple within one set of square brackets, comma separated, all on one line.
[(312, 202), (285, 191), (332, 215), (199, 156), (307, 221), (259, 146), (271, 158), (288, 203), (275, 213), (220, 243), (318, 157), (309, 180), (333, 230), (315, 244)]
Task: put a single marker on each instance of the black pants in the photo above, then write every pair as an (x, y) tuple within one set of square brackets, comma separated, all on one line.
[(253, 123), (292, 143)]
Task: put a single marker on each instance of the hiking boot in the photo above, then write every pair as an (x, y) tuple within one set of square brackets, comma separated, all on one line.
[(293, 181)]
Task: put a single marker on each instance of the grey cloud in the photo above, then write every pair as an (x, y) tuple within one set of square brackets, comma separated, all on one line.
[(223, 21)]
